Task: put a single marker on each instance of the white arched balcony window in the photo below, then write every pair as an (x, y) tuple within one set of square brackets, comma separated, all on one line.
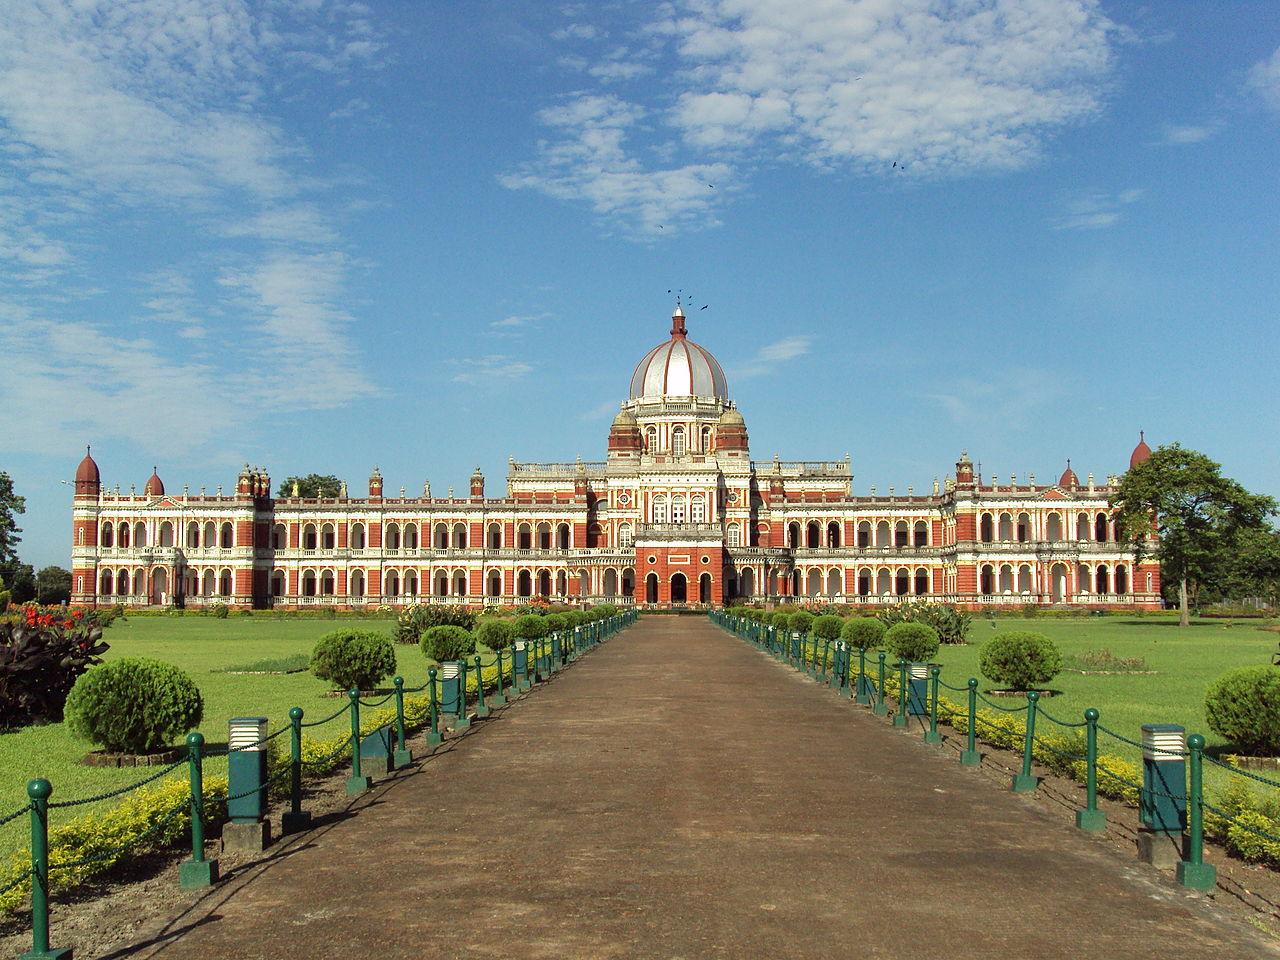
[(624, 535), (659, 509), (677, 442), (734, 535), (677, 510), (697, 511)]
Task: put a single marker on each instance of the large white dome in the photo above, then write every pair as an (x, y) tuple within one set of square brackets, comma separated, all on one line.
[(678, 368)]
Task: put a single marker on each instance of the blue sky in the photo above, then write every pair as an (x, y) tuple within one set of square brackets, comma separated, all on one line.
[(321, 236)]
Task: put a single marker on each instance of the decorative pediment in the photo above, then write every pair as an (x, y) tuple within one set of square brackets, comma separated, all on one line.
[(163, 503), (1053, 493)]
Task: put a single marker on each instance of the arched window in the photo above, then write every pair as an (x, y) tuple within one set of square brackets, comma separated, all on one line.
[(882, 533), (901, 534), (986, 581), (1082, 527), (1100, 529), (228, 538), (328, 537), (327, 584), (544, 536), (1024, 527), (921, 533), (460, 536), (921, 581), (659, 509), (391, 585), (279, 536), (902, 582), (813, 534), (442, 584), (441, 537), (1053, 528), (706, 439), (985, 534), (1006, 528), (495, 584), (1024, 578), (833, 534), (677, 442), (677, 509), (697, 510), (107, 537), (1006, 579), (210, 535), (495, 536), (224, 583), (864, 533), (524, 540), (524, 584), (1100, 579), (309, 537), (651, 439), (356, 537), (193, 535), (864, 582), (410, 536), (166, 534), (391, 538), (735, 536), (793, 535), (624, 535), (564, 537), (277, 583), (411, 583), (356, 588), (459, 584)]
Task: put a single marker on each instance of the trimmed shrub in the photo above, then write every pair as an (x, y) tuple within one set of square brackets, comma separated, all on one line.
[(220, 611), (1020, 660), (1243, 707), (951, 624), (827, 627), (862, 633), (417, 619), (494, 633), (916, 642), (447, 642), (133, 705), (800, 622), (353, 659), (532, 627), (556, 622)]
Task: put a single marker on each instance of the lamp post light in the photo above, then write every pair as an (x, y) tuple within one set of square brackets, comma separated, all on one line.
[(249, 829)]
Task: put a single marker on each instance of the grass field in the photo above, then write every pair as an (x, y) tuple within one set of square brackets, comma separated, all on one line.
[(204, 647), (1184, 661)]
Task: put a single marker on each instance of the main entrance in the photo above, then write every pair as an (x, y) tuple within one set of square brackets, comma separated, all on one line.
[(679, 588)]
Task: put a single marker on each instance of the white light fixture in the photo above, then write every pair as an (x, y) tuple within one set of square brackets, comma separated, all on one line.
[(246, 734)]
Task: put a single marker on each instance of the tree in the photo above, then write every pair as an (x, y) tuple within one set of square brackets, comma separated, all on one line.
[(1252, 568), (1197, 515), (53, 585), (22, 586), (312, 485), (10, 506)]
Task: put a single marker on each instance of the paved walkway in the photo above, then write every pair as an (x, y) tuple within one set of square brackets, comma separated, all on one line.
[(679, 794)]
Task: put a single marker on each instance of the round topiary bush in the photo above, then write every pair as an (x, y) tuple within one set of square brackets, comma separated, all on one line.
[(556, 622), (494, 633), (447, 642), (531, 627), (800, 621), (133, 705), (354, 659), (862, 633), (1018, 660), (915, 642), (827, 627), (1243, 707)]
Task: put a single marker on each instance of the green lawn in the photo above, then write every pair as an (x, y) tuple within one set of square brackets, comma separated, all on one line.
[(1185, 662), (203, 646)]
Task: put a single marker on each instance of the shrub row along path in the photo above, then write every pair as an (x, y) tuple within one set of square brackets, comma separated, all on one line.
[(679, 794)]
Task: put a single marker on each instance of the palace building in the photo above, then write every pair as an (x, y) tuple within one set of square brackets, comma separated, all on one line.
[(677, 513)]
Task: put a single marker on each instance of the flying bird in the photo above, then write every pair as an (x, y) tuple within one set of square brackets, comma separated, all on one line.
[(704, 306), (895, 163)]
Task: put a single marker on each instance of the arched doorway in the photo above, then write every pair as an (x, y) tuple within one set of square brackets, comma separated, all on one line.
[(159, 586), (651, 588), (1058, 579), (704, 588), (679, 588)]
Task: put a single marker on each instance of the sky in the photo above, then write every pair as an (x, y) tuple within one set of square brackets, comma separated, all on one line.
[(320, 236)]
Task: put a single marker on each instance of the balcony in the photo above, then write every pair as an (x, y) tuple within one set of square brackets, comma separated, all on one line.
[(657, 532)]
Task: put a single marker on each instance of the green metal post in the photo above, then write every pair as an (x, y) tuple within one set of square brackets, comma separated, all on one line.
[(295, 819), (197, 872), (1193, 872), (932, 735), (460, 720), (38, 792), (356, 783), (1026, 781), (900, 715), (970, 756), (880, 709), (434, 737), (1091, 818), (482, 709), (826, 648), (499, 697), (862, 695), (403, 757)]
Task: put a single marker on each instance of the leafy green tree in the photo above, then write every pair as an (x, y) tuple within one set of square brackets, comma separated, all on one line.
[(53, 585), (1253, 568), (1197, 515), (11, 505), (312, 485), (22, 586)]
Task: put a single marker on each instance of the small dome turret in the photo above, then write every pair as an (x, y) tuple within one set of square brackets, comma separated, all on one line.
[(678, 368), (154, 486), (1141, 453), (88, 481), (1069, 478)]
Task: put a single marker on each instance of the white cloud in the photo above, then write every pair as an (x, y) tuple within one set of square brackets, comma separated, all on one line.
[(1095, 209), (1179, 134), (350, 109), (587, 160), (990, 408), (576, 31), (862, 84), (770, 355), (489, 369), (1264, 79), (156, 111), (517, 323)]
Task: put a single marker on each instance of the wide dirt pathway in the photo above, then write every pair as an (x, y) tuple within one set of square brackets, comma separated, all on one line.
[(679, 794)]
